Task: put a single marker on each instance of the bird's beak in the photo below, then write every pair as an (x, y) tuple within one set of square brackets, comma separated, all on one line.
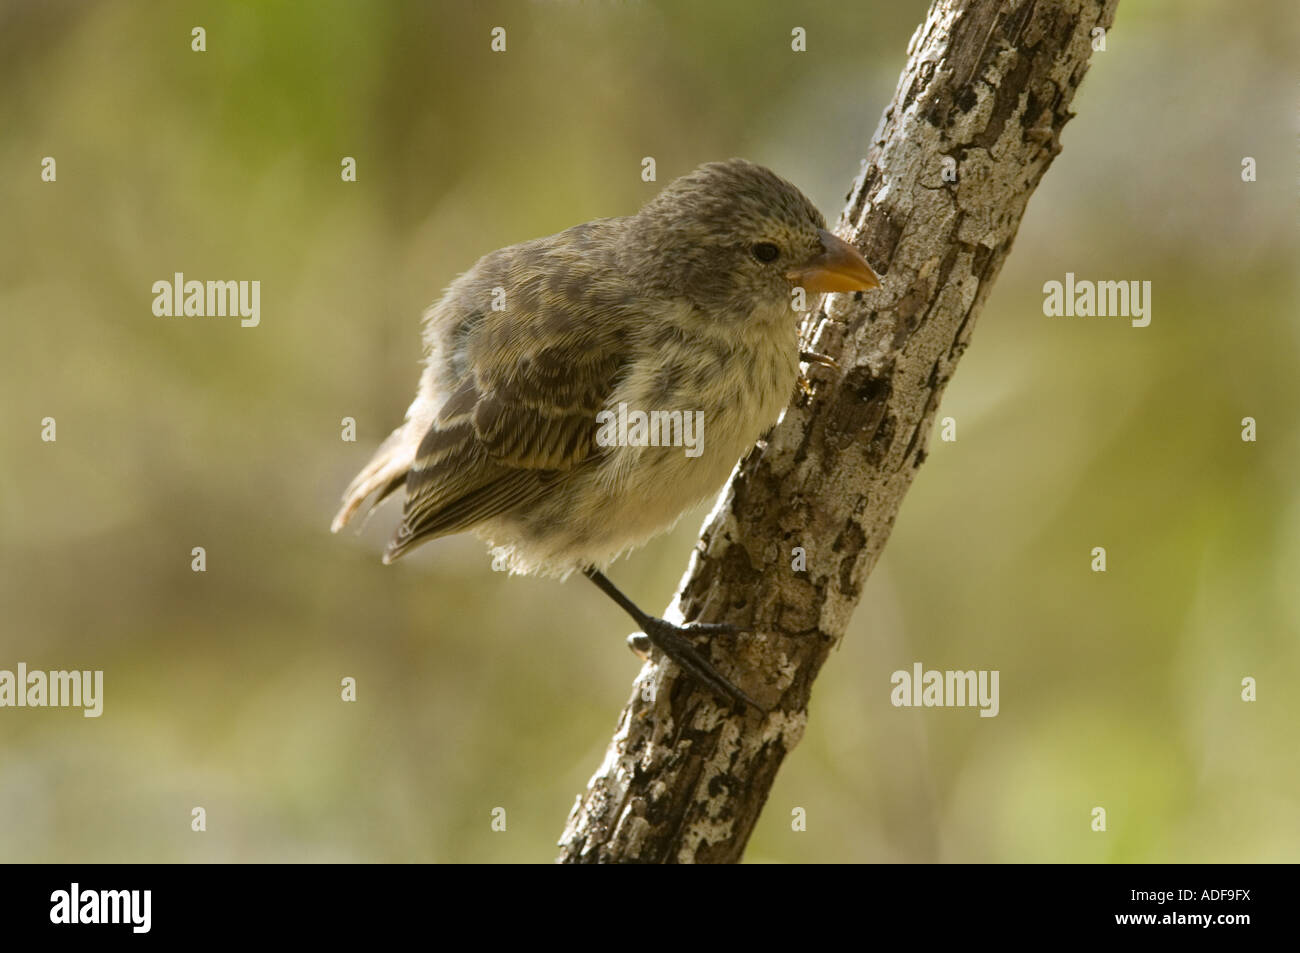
[(840, 267)]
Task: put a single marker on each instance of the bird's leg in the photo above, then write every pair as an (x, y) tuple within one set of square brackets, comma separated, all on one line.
[(675, 640)]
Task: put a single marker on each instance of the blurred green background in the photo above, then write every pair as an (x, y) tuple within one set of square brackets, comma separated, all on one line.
[(478, 691)]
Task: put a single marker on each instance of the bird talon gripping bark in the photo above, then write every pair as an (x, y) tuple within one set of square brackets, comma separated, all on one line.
[(825, 360), (675, 642), (639, 643)]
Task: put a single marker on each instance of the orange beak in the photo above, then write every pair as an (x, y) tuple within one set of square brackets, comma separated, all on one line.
[(840, 267)]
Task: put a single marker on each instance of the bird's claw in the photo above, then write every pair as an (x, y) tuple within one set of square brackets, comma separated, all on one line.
[(825, 360), (675, 642)]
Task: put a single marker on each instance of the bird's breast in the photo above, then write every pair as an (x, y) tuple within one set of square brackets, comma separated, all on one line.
[(681, 417), (729, 383)]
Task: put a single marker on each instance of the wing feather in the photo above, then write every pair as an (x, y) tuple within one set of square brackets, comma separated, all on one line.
[(523, 416)]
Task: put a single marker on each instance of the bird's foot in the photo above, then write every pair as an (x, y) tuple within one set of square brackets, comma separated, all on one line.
[(641, 645), (675, 641)]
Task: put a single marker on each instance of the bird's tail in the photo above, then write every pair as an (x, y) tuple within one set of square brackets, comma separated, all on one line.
[(385, 473)]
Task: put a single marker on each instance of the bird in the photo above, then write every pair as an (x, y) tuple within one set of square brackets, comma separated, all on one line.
[(530, 355)]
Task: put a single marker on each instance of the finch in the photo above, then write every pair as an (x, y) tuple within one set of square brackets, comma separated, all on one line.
[(684, 308)]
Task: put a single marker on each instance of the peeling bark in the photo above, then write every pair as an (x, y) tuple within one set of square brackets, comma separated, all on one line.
[(988, 84)]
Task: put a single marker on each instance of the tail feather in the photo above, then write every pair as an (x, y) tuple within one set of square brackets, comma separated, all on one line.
[(385, 472)]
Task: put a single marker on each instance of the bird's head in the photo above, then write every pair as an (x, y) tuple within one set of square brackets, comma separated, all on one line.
[(733, 237)]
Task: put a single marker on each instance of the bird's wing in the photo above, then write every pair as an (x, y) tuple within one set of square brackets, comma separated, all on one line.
[(524, 415)]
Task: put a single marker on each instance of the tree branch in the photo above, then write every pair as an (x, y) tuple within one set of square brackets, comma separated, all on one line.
[(985, 95)]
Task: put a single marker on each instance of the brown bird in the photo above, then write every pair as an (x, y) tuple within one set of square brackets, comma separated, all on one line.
[(539, 355)]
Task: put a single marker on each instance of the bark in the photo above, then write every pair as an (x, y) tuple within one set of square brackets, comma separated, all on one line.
[(988, 86)]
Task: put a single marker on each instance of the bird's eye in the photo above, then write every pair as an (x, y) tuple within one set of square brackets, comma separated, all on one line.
[(766, 251)]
